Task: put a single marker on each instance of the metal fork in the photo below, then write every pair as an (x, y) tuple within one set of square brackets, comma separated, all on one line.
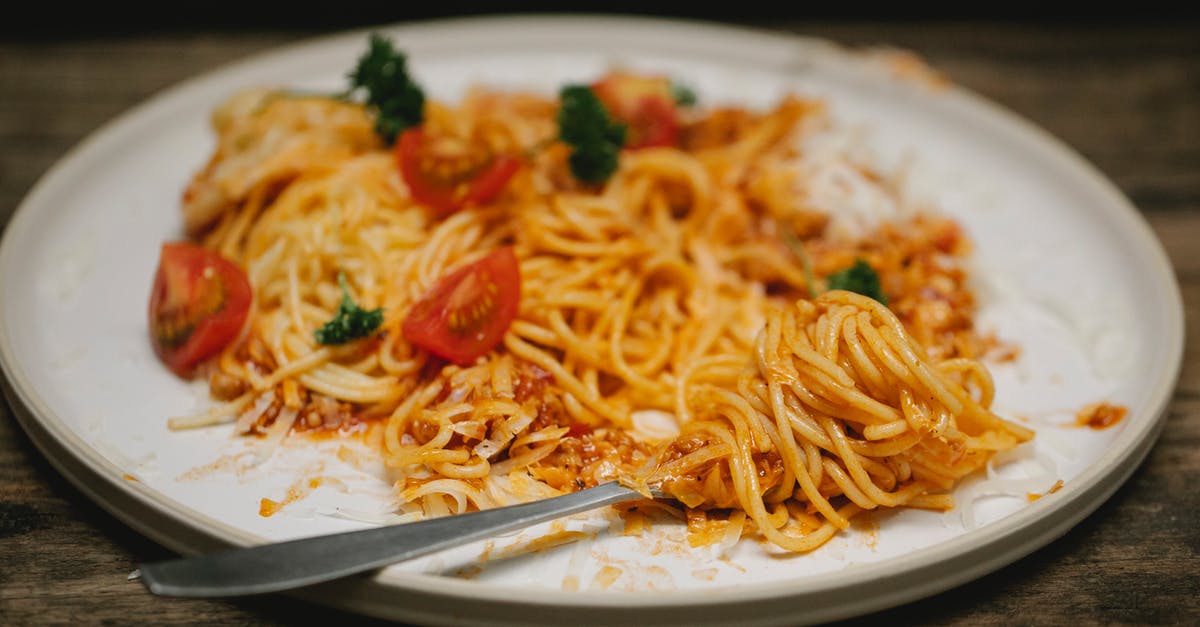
[(303, 562)]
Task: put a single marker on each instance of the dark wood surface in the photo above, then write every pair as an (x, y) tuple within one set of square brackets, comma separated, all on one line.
[(1126, 97)]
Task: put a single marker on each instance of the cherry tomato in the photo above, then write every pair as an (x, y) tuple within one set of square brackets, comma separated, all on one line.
[(645, 104), (447, 173), (468, 311), (198, 304)]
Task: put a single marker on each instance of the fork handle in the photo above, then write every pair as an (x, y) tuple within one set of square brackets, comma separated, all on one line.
[(295, 563)]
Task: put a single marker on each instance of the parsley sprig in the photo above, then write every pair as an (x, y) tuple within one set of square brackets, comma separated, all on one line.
[(684, 96), (350, 322), (859, 278), (383, 74), (594, 136)]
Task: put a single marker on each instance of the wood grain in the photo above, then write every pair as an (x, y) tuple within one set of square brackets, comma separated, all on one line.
[(1126, 97)]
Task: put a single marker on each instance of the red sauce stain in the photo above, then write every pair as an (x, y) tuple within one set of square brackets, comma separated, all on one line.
[(300, 489), (129, 477), (236, 464), (726, 560), (468, 572), (606, 577), (1005, 353), (1054, 488), (1100, 415), (870, 528), (268, 508)]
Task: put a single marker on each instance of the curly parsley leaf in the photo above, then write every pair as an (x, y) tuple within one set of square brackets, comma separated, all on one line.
[(684, 96), (594, 136), (383, 73), (350, 322), (859, 278)]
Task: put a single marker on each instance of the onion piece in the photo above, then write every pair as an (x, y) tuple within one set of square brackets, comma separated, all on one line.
[(250, 417), (275, 434)]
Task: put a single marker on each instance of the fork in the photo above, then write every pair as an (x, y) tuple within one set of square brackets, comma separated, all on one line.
[(296, 563)]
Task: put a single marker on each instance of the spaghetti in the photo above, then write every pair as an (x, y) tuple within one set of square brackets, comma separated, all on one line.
[(664, 335)]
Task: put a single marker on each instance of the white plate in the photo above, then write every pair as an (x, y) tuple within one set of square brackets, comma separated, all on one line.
[(1067, 267)]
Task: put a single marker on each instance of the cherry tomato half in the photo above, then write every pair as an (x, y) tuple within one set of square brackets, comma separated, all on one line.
[(198, 304), (447, 173), (645, 104), (468, 311)]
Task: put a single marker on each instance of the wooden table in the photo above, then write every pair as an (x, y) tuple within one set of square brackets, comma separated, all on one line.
[(1127, 98)]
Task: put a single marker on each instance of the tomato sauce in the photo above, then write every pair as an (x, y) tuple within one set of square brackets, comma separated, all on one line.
[(1100, 415)]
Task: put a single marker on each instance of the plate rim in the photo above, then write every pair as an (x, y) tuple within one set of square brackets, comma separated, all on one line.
[(1052, 517)]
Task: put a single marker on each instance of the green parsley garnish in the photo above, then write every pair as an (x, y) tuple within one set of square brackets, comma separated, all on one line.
[(398, 102), (595, 138), (684, 96), (350, 322), (859, 278)]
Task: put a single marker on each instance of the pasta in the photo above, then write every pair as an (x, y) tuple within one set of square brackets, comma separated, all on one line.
[(667, 333)]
